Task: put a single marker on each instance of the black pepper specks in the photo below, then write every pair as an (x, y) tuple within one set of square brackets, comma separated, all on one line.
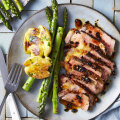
[(86, 80), (74, 110), (69, 105), (79, 68), (98, 36), (79, 98), (66, 110)]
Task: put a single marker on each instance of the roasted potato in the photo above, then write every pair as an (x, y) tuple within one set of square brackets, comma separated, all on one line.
[(37, 42), (37, 67)]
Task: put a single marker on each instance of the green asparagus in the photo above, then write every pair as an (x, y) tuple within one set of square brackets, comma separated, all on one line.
[(49, 17), (64, 26), (28, 84), (19, 5), (54, 4), (6, 4), (43, 92), (55, 18), (54, 23), (14, 9), (55, 87), (65, 21), (5, 22), (57, 67), (7, 14), (46, 82)]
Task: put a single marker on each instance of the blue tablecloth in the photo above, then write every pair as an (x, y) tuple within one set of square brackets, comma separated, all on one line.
[(113, 113)]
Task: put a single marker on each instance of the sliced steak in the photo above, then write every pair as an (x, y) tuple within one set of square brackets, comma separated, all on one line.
[(106, 70), (88, 65), (108, 62), (82, 37), (77, 95), (95, 86), (96, 66), (80, 100), (90, 62), (78, 70), (102, 36)]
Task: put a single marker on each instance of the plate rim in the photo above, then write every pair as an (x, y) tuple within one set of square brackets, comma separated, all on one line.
[(41, 11)]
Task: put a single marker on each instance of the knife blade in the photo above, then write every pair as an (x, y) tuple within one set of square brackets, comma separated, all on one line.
[(3, 67), (11, 101)]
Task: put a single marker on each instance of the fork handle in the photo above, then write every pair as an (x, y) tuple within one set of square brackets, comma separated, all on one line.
[(4, 99)]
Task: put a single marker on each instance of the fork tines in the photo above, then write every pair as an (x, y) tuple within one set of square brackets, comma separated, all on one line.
[(15, 74)]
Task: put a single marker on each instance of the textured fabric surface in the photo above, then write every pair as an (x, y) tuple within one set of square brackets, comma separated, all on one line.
[(113, 113)]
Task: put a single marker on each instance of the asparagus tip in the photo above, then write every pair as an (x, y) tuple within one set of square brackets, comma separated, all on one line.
[(10, 28)]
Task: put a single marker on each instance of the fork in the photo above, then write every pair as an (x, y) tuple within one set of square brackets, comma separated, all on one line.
[(12, 82)]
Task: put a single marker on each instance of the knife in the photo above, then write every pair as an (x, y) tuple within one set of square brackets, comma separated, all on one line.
[(11, 101)]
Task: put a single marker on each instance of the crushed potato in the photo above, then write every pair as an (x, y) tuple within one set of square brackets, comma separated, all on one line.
[(37, 42)]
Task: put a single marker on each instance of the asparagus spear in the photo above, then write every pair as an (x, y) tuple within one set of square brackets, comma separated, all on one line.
[(54, 4), (46, 82), (49, 17), (19, 5), (6, 4), (14, 9), (54, 20), (5, 12), (64, 26), (65, 20), (57, 68), (54, 23), (5, 22), (28, 84), (55, 87)]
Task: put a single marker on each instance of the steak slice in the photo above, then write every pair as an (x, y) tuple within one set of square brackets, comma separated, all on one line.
[(106, 70), (101, 58), (76, 95), (88, 65), (78, 99), (87, 78), (78, 70), (95, 86), (102, 36), (79, 38)]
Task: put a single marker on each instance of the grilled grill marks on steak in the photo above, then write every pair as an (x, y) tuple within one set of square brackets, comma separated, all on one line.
[(88, 65), (103, 37), (78, 67), (86, 62), (75, 94)]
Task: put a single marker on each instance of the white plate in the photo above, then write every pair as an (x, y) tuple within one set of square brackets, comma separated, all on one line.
[(16, 54)]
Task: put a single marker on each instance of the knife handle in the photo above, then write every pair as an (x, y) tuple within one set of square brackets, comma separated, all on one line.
[(3, 102), (13, 107)]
